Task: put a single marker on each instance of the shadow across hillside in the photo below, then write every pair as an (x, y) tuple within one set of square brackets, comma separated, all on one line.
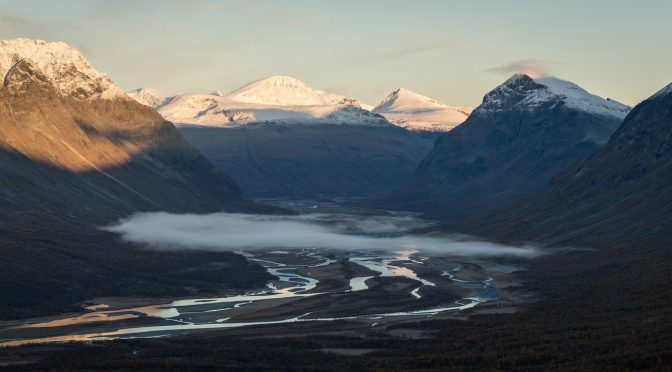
[(53, 256), (312, 160)]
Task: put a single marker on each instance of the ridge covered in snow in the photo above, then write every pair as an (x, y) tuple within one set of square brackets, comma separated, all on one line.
[(414, 111), (283, 91), (63, 65), (278, 99), (522, 91)]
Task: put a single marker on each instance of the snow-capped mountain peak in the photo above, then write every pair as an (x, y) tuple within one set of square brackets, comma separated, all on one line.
[(404, 99), (414, 111), (282, 91), (522, 91), (63, 65)]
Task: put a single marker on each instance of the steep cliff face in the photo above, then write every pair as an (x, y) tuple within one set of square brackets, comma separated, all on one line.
[(525, 132), (86, 150)]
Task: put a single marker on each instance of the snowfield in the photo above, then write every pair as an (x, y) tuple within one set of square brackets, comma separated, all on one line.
[(286, 100), (277, 99), (416, 112)]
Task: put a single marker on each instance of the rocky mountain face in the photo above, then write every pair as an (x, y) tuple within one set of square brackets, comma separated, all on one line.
[(77, 153), (525, 132), (416, 112), (622, 196), (75, 145)]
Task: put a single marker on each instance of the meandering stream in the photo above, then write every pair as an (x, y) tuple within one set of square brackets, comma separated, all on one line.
[(187, 315)]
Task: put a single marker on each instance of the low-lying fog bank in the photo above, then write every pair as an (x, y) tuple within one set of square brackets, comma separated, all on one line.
[(231, 231)]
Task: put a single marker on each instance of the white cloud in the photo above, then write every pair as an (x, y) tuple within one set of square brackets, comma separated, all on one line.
[(535, 68), (227, 231)]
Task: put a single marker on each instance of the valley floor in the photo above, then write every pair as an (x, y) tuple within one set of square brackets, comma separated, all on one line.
[(566, 311)]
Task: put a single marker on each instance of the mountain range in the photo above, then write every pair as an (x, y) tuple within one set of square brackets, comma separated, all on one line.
[(277, 99), (525, 132), (582, 180), (278, 137), (621, 196), (287, 100)]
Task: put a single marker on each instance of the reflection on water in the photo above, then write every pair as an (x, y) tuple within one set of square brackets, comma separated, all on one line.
[(192, 314), (387, 268), (359, 283)]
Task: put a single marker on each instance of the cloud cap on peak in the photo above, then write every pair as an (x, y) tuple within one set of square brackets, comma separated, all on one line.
[(534, 68)]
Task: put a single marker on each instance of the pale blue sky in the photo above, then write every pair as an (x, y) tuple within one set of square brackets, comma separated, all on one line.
[(454, 51)]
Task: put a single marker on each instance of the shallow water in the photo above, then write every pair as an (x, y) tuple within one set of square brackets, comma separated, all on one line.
[(186, 315)]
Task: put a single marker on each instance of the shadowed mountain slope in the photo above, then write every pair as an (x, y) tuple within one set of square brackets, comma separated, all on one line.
[(620, 196), (525, 132), (312, 161), (77, 153)]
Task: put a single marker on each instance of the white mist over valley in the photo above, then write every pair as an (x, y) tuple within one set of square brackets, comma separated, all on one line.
[(233, 232)]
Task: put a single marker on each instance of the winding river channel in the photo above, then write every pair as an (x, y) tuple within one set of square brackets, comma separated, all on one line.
[(370, 287), (199, 314)]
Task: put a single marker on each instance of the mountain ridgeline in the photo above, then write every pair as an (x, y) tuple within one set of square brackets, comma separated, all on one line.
[(525, 132), (284, 99)]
